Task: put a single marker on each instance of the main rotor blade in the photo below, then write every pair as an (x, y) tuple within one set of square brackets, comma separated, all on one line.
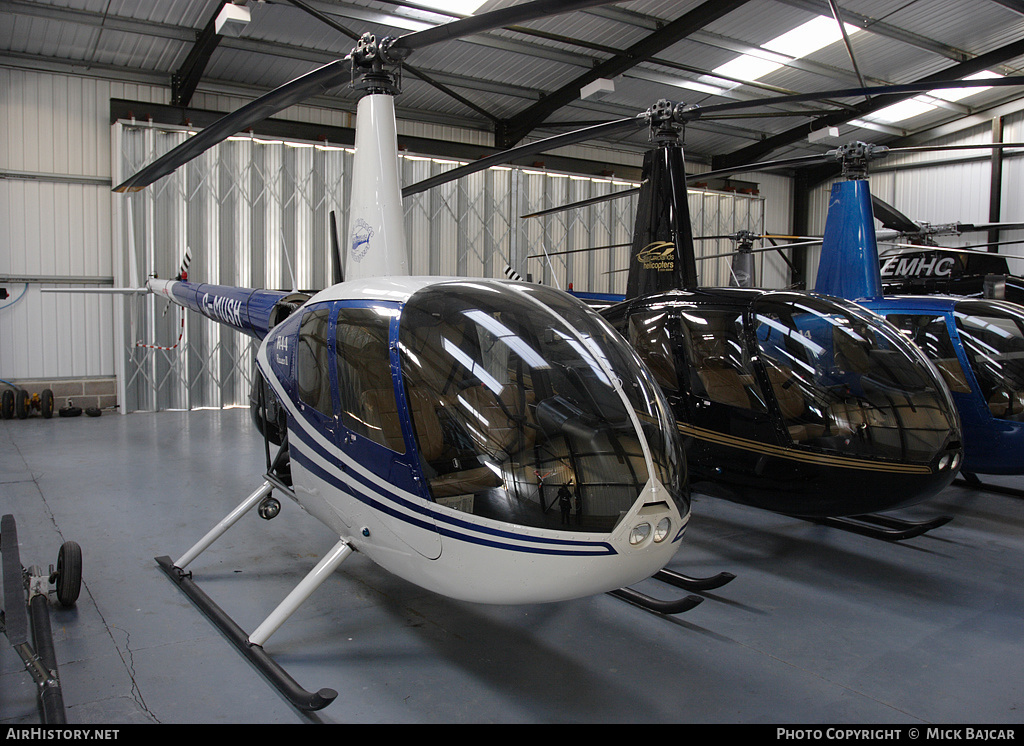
[(902, 248), (977, 227), (802, 160), (318, 81), (506, 156), (578, 251), (893, 218), (584, 202), (921, 86), (936, 148), (760, 250), (494, 19)]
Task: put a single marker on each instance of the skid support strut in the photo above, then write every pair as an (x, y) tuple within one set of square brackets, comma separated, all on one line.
[(972, 480), (251, 646)]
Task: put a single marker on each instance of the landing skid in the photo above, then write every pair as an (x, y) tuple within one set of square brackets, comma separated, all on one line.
[(971, 480), (883, 527), (251, 645), (678, 606), (281, 680)]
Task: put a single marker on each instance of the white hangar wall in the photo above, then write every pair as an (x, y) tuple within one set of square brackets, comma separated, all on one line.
[(58, 217)]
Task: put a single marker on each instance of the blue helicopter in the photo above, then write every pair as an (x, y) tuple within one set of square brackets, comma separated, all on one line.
[(492, 441), (976, 343)]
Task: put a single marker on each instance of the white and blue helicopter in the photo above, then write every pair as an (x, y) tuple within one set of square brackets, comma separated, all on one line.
[(432, 422)]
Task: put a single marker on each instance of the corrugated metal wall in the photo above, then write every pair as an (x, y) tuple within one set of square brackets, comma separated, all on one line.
[(55, 221)]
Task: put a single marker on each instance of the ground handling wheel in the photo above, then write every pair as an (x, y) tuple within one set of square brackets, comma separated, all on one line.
[(68, 576), (21, 404), (46, 403), (7, 404)]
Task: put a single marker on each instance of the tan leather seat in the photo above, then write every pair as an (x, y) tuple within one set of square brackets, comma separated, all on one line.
[(953, 374), (723, 383), (430, 440), (1006, 403)]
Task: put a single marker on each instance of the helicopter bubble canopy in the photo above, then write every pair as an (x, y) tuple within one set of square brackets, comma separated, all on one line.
[(843, 378), (796, 402), (515, 383)]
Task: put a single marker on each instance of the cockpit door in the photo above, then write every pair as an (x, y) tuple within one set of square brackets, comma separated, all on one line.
[(380, 462)]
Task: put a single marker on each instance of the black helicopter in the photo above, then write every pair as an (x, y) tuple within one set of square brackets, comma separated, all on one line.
[(790, 401), (795, 402)]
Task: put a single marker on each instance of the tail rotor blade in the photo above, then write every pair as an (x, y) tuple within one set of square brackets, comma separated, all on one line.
[(338, 273), (892, 218)]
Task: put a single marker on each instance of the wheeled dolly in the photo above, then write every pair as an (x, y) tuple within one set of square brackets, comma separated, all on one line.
[(17, 402), (26, 604)]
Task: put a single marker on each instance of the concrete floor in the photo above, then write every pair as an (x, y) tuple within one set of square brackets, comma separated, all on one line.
[(820, 626)]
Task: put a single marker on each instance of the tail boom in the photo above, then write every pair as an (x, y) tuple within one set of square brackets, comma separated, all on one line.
[(248, 310)]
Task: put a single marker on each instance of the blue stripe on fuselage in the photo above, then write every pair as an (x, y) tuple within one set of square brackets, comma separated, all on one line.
[(454, 528)]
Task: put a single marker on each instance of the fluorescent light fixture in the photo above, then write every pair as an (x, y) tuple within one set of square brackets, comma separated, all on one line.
[(806, 38), (597, 89), (231, 20), (458, 7), (921, 104), (714, 90)]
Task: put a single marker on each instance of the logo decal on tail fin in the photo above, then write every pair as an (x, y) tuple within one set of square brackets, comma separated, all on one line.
[(361, 235), (658, 256)]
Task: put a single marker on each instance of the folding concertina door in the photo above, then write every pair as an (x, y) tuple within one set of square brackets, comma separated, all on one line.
[(257, 213)]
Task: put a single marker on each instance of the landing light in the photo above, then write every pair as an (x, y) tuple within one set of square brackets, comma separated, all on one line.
[(661, 531), (944, 462), (639, 533)]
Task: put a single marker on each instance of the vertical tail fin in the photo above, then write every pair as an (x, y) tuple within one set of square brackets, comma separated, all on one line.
[(662, 257), (849, 267)]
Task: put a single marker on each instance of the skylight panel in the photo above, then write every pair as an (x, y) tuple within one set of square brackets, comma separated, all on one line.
[(955, 94), (809, 37), (805, 39), (923, 103), (457, 7)]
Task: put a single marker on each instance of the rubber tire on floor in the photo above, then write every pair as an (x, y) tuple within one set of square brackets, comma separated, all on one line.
[(7, 404), (69, 411), (69, 573), (46, 403), (93, 411), (21, 404)]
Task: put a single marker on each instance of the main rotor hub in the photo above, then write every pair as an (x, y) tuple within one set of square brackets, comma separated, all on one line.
[(666, 117), (745, 240), (855, 157), (374, 68)]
